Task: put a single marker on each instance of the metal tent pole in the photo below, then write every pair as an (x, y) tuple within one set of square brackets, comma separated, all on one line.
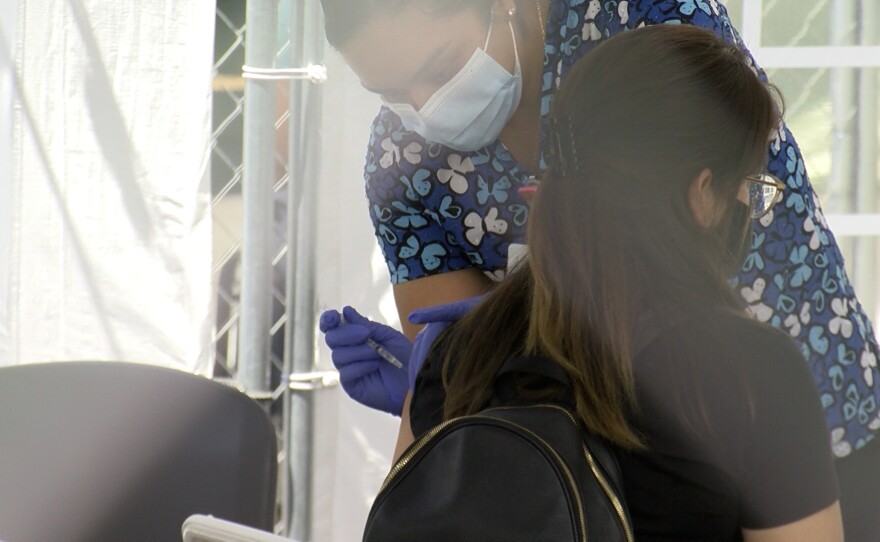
[(257, 183), (304, 156), (753, 19), (866, 167), (841, 183)]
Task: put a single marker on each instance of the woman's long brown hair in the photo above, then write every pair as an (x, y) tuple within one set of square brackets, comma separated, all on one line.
[(650, 109)]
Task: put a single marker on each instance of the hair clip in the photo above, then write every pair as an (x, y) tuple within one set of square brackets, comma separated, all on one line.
[(506, 14), (562, 147)]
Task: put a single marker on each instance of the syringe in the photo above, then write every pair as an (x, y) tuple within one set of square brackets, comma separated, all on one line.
[(383, 353)]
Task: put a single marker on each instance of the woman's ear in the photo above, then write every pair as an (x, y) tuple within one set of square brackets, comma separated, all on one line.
[(701, 199)]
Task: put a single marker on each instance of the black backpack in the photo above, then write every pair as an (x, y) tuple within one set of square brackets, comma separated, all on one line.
[(525, 472)]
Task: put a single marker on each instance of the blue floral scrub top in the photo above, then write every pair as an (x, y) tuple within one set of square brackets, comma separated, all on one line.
[(437, 210)]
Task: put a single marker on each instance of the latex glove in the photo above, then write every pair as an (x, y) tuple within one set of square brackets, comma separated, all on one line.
[(437, 319), (365, 375)]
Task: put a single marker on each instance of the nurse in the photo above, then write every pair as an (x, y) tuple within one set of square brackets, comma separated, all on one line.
[(467, 86)]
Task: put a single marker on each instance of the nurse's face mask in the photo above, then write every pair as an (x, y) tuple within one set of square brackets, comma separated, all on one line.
[(470, 110)]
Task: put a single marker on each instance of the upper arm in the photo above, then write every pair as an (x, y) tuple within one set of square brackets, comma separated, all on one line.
[(787, 471), (436, 290), (444, 219), (404, 433), (421, 224), (823, 526), (441, 219)]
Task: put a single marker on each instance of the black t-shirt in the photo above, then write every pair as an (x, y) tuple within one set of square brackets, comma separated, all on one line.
[(735, 433)]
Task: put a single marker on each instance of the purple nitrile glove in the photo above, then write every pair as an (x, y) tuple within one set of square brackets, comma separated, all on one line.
[(365, 375), (436, 319)]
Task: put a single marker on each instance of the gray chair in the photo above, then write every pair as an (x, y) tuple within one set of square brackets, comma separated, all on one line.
[(95, 451)]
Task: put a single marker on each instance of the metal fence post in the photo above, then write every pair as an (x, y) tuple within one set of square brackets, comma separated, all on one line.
[(304, 157), (843, 93), (257, 183), (752, 13), (867, 165)]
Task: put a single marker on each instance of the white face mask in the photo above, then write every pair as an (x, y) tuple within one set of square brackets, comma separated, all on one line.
[(470, 110)]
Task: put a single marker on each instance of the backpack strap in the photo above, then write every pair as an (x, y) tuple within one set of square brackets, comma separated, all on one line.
[(535, 365), (547, 368), (534, 373)]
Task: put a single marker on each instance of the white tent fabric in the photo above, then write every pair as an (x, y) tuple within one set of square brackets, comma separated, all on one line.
[(7, 71), (104, 212), (109, 229)]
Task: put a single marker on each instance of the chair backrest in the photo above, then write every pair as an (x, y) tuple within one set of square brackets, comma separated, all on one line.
[(94, 451)]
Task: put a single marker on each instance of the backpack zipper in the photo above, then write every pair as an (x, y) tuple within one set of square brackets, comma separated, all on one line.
[(615, 501), (412, 451), (597, 473), (422, 442)]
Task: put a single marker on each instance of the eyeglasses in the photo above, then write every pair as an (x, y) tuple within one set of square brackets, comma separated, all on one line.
[(765, 191)]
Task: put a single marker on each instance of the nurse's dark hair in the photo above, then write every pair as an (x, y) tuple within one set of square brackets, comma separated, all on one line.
[(650, 109), (343, 18)]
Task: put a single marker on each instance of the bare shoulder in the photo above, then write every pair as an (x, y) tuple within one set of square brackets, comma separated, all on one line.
[(437, 290)]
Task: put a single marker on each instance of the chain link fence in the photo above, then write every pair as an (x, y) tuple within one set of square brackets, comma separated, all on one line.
[(226, 175), (227, 172), (252, 178), (227, 169)]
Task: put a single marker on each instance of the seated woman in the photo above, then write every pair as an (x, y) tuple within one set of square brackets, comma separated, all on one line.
[(657, 169)]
